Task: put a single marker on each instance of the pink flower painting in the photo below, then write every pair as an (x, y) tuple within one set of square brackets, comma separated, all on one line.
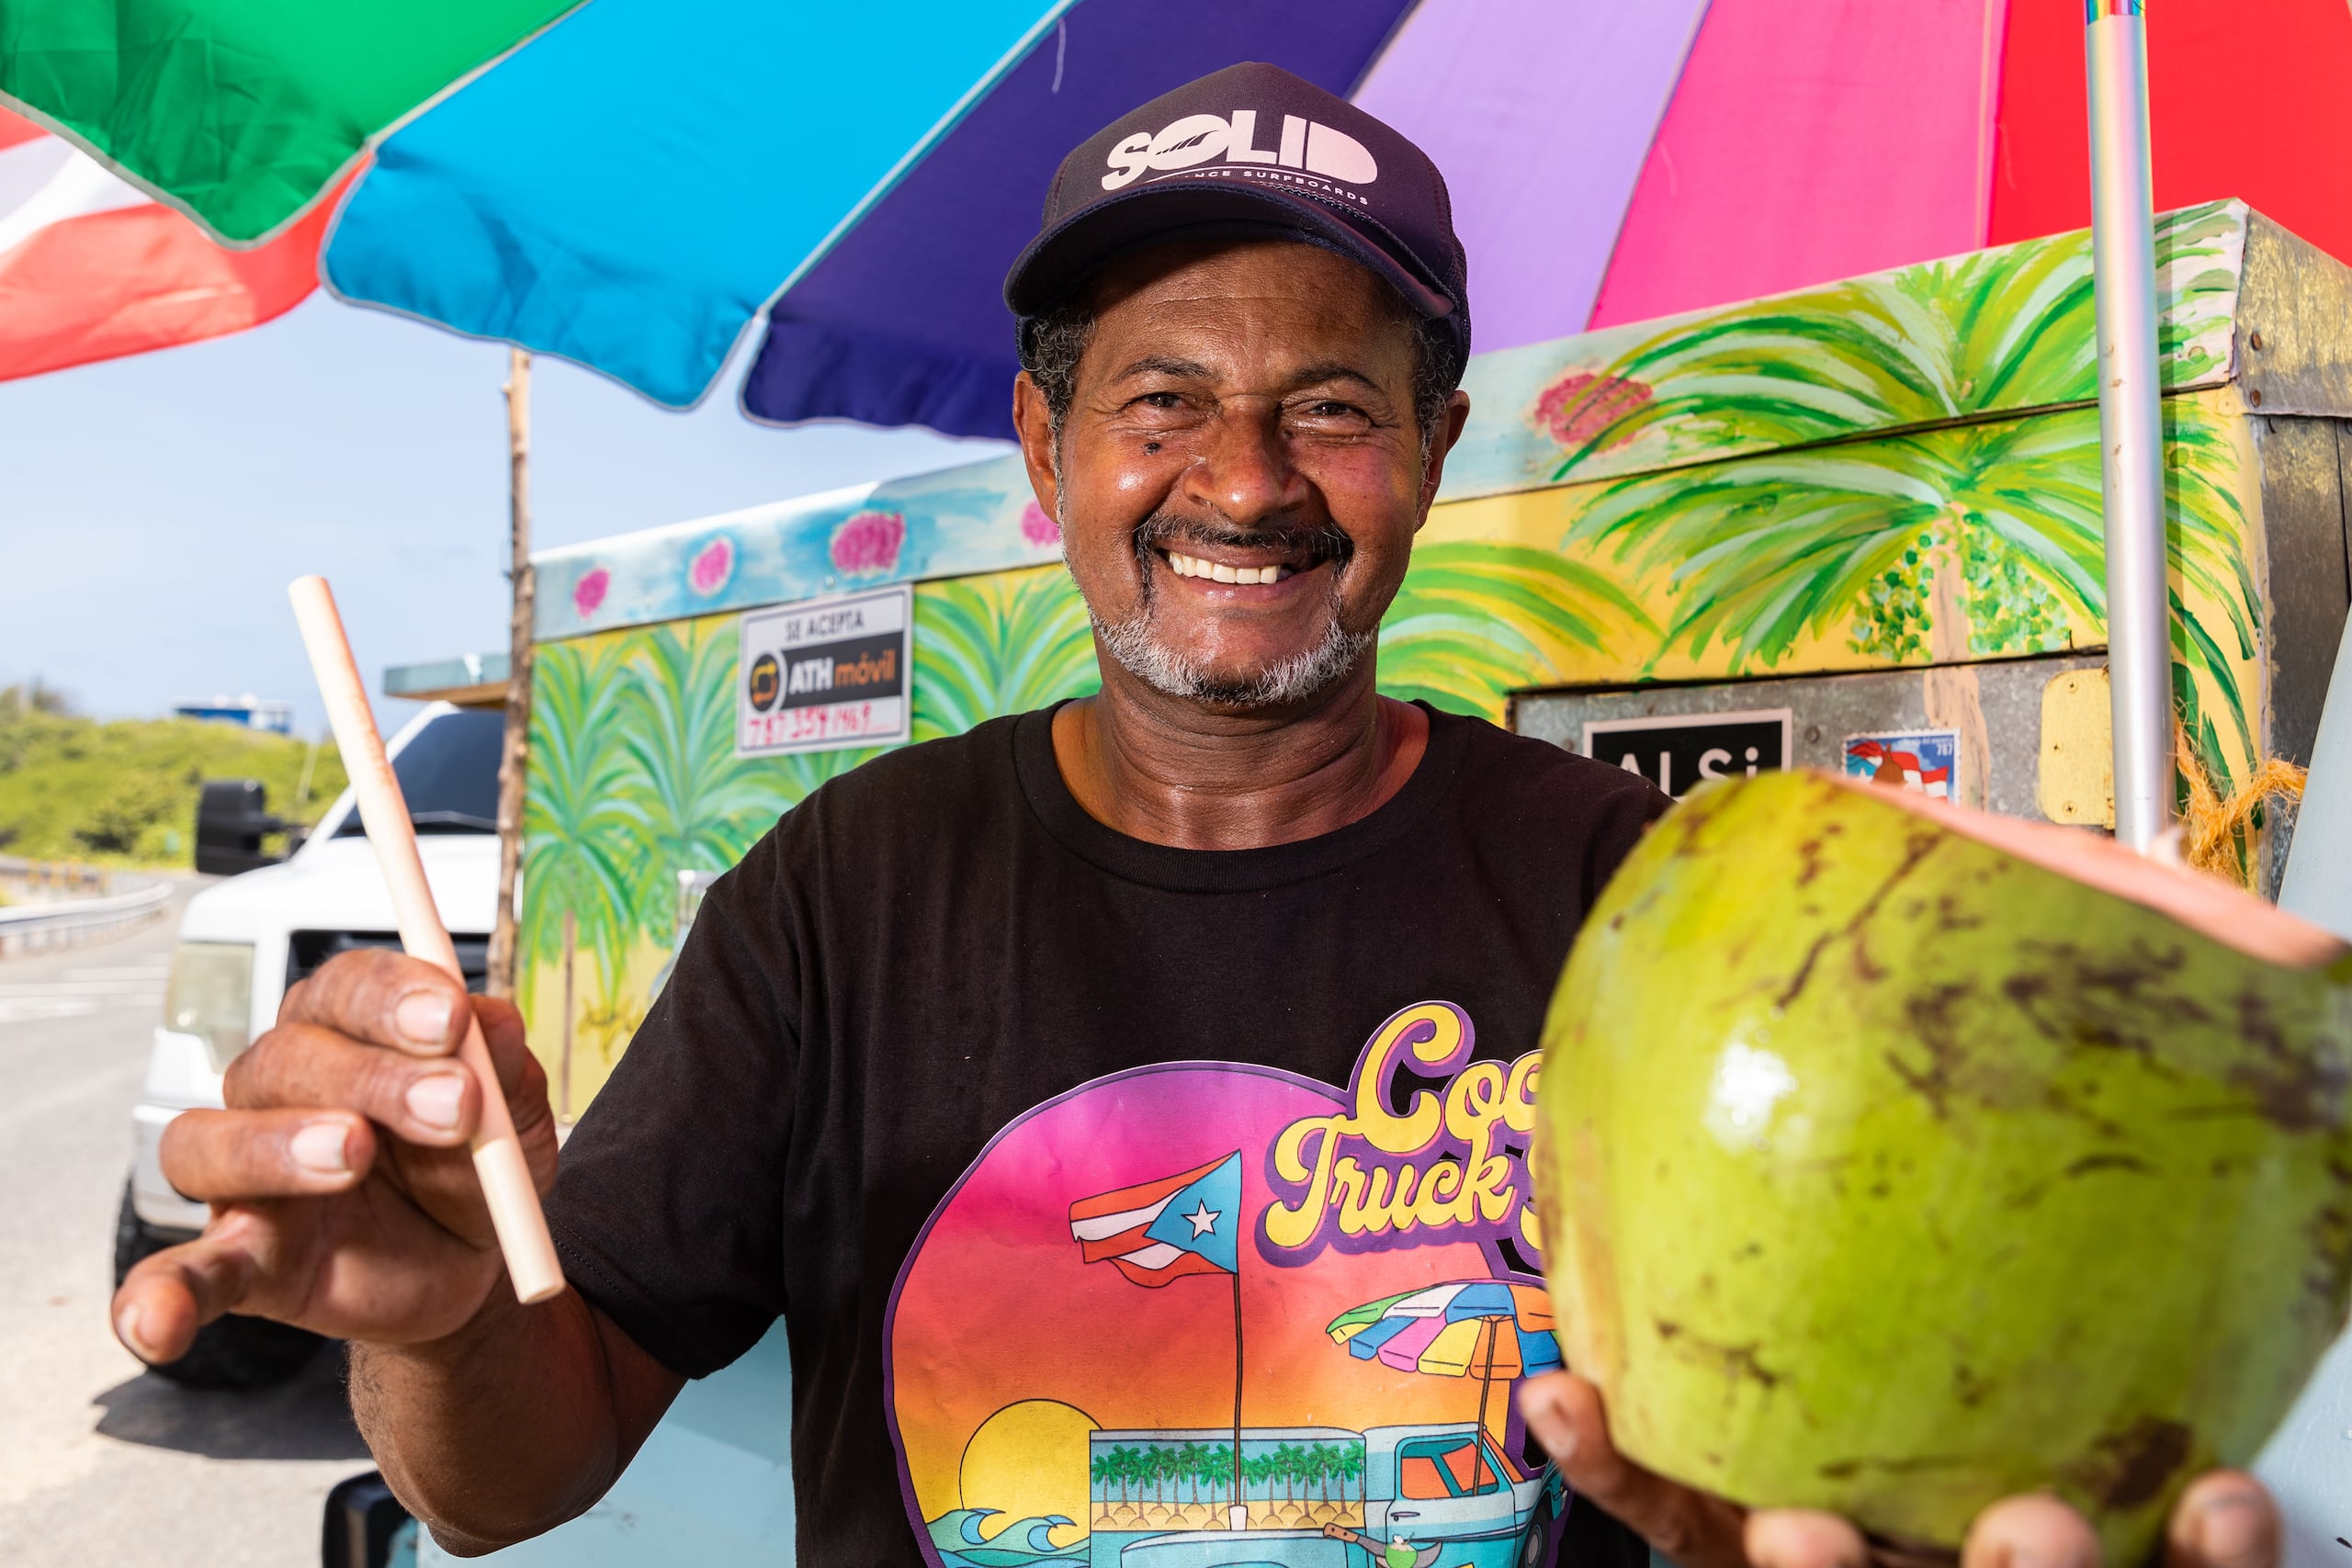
[(589, 592), (868, 543), (1577, 408), (1040, 530), (712, 566)]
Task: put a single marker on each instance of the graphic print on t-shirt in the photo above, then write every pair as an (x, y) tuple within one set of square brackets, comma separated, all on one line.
[(1202, 1314)]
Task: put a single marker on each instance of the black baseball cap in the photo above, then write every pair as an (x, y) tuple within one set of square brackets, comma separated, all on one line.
[(1252, 148)]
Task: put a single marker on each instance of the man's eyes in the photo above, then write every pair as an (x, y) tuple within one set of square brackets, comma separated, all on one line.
[(1332, 411), (1321, 410)]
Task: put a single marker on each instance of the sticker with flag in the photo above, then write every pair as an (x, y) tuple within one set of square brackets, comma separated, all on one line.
[(1159, 1231), (1921, 760)]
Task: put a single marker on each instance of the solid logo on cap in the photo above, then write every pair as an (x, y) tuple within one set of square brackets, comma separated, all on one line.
[(1197, 138)]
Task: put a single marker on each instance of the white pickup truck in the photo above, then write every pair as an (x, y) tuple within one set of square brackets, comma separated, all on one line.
[(246, 940)]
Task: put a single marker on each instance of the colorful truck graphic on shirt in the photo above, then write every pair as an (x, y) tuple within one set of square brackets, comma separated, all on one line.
[(1315, 1498)]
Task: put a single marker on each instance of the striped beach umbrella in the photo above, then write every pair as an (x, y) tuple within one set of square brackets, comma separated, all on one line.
[(1481, 1328), (641, 185), (1485, 1326)]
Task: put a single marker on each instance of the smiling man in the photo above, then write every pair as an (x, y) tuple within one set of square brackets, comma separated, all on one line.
[(1125, 1106)]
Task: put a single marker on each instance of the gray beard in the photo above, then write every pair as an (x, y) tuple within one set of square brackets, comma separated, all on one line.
[(1303, 675), (1138, 650)]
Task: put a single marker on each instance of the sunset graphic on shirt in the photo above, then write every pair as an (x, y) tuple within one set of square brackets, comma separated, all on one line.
[(1062, 1342)]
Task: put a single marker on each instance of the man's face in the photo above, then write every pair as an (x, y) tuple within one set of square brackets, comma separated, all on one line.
[(1240, 475)]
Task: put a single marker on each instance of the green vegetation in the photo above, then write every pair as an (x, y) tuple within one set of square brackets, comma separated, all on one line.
[(123, 792)]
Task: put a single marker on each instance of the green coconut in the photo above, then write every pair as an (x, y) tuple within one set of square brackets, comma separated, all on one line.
[(1895, 1158)]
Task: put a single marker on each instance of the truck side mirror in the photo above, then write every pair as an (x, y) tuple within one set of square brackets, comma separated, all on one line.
[(231, 817)]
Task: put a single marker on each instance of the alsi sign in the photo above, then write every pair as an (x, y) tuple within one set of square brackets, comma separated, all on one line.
[(1677, 751), (826, 674)]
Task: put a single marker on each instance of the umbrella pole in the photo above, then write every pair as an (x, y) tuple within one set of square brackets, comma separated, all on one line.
[(1486, 1387), (2131, 422), (513, 753)]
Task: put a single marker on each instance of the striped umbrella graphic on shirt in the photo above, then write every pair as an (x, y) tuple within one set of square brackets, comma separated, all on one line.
[(1156, 1233)]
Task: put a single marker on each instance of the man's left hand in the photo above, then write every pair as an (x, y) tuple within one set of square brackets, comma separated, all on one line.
[(2224, 1519)]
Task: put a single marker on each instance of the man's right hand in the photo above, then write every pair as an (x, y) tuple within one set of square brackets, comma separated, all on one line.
[(343, 1197)]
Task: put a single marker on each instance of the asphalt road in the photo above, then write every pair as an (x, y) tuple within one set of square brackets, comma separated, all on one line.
[(102, 1463)]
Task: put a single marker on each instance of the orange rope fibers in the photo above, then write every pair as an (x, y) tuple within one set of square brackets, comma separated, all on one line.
[(2212, 828)]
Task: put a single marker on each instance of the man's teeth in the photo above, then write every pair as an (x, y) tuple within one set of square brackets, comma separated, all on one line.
[(1192, 566)]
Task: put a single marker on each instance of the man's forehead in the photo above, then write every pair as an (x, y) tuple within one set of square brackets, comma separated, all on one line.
[(1186, 311)]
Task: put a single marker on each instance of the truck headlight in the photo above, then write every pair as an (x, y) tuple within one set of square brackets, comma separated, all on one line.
[(211, 995)]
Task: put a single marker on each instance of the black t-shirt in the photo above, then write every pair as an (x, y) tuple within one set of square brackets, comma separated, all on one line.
[(1052, 1145)]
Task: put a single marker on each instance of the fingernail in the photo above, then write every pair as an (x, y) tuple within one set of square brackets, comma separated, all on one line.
[(2033, 1552), (1780, 1536), (435, 1100), (2229, 1526), (320, 1147), (424, 1017), (127, 1325)]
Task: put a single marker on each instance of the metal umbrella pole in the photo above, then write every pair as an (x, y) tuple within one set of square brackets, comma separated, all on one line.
[(2131, 422)]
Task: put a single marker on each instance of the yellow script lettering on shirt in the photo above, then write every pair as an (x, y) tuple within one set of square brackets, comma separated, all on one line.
[(1439, 1165)]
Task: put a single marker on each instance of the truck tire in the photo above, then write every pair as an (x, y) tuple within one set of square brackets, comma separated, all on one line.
[(1535, 1545), (229, 1352)]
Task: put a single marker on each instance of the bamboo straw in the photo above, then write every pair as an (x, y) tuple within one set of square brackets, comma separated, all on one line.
[(506, 1177)]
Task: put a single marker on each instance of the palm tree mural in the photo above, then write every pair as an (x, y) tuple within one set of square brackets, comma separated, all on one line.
[(580, 823), (1475, 621), (1996, 331), (635, 776), (698, 807), (999, 644), (1934, 547)]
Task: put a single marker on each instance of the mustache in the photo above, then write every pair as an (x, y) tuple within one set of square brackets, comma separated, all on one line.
[(1317, 542)]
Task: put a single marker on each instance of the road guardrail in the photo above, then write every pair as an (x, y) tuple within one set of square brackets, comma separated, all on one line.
[(55, 875), (28, 927)]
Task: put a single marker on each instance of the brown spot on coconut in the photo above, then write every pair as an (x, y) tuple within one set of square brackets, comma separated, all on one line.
[(2038, 1295)]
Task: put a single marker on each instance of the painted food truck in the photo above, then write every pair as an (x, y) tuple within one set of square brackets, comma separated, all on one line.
[(1855, 526)]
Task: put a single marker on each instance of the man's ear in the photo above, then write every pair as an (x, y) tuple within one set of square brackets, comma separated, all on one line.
[(1036, 428), (1457, 417)]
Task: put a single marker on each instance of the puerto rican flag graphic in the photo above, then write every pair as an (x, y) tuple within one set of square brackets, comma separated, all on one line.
[(1158, 1232), (93, 268)]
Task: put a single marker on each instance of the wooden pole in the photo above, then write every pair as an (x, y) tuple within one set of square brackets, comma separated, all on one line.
[(514, 756)]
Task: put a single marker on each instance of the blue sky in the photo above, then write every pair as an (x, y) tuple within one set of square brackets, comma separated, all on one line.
[(153, 509)]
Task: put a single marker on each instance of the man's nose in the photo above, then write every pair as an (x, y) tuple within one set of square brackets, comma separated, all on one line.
[(1243, 471)]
